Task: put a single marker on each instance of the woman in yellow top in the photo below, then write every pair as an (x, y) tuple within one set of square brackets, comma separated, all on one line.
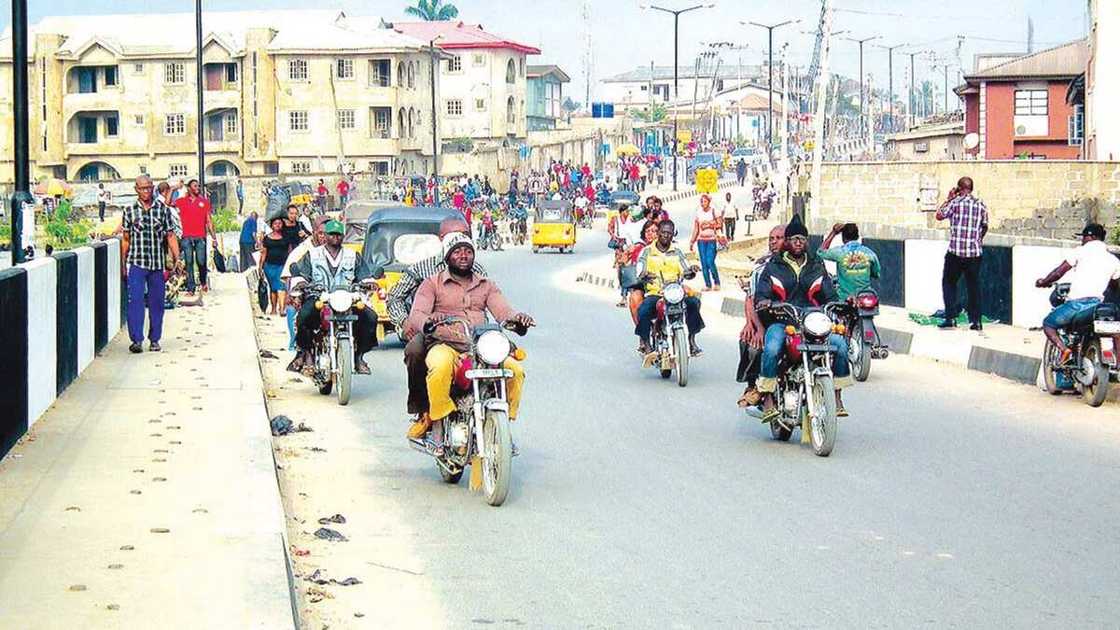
[(659, 263)]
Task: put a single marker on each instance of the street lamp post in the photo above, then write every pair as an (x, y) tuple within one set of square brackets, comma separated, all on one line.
[(770, 83), (21, 152), (676, 13), (890, 79), (434, 65), (198, 79), (861, 42)]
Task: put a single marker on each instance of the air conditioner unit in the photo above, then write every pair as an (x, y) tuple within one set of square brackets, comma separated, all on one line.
[(1032, 126)]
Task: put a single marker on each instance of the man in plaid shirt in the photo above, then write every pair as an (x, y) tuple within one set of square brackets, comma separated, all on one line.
[(147, 233), (968, 224)]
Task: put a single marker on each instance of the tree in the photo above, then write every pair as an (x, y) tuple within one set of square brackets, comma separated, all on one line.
[(433, 10)]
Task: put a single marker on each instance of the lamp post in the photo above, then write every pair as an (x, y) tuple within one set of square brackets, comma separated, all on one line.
[(21, 152), (198, 79), (770, 83), (676, 13), (861, 42), (434, 64), (890, 79)]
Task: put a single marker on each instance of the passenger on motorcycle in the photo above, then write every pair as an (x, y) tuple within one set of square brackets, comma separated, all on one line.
[(664, 262), (457, 291), (800, 280), (333, 267), (1094, 267), (753, 333), (856, 264)]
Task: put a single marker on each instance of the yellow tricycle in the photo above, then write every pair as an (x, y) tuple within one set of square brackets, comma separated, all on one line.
[(554, 226)]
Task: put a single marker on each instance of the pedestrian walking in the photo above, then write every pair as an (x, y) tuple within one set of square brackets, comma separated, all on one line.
[(741, 171), (968, 224), (247, 243), (730, 212), (343, 188), (240, 196), (275, 248), (148, 233), (707, 232), (104, 198), (194, 214)]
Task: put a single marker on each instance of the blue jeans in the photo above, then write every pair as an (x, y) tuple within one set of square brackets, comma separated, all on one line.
[(707, 251), (774, 344), (1071, 314), (194, 252)]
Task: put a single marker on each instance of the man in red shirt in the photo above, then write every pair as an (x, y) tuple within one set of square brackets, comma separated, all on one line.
[(343, 188), (321, 197), (194, 213)]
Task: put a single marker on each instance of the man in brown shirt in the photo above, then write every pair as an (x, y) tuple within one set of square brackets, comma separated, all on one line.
[(457, 292)]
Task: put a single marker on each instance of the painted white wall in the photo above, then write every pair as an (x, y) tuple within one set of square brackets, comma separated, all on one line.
[(1029, 304), (113, 286), (1105, 90), (85, 307), (925, 260), (42, 355)]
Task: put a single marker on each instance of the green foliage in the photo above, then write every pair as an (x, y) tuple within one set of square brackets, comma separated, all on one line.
[(225, 220), (458, 145), (657, 114), (5, 233), (432, 10), (64, 230), (1113, 235)]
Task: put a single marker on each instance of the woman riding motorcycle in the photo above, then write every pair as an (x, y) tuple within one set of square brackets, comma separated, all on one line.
[(663, 262)]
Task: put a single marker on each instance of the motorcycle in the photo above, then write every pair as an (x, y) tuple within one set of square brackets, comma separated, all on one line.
[(477, 433), (669, 334), (520, 228), (864, 344), (1089, 370), (332, 351), (805, 394)]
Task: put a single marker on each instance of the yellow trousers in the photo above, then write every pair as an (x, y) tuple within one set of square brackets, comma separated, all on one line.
[(441, 369)]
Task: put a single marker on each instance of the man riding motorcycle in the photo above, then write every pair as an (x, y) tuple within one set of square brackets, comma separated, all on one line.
[(664, 262), (1094, 267), (856, 264), (333, 267), (457, 291), (800, 280)]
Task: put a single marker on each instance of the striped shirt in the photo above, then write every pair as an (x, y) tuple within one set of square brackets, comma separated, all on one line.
[(399, 300), (147, 230)]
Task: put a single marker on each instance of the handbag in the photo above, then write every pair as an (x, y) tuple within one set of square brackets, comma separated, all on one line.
[(262, 292), (219, 261), (628, 276)]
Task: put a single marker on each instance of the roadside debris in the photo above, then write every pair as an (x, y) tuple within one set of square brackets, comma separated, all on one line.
[(265, 354), (327, 533), (337, 518), (320, 577), (282, 425)]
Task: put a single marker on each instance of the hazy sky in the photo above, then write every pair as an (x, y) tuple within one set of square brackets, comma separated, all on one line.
[(626, 37)]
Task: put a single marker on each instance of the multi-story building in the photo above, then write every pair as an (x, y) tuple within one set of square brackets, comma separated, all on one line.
[(289, 92), (1018, 107), (1102, 86), (546, 96), (643, 85), (482, 84)]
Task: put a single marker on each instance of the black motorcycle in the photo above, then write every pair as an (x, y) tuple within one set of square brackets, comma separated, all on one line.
[(858, 317), (1087, 371)]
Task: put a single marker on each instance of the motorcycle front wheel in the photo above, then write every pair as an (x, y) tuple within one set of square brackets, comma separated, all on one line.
[(680, 341), (1096, 393), (345, 356), (822, 426), (497, 451), (861, 365)]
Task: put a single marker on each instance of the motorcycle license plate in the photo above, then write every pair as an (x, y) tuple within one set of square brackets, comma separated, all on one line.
[(1108, 328), (344, 318), (815, 347), (490, 373)]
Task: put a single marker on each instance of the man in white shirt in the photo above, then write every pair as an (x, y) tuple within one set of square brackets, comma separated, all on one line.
[(730, 210), (104, 198), (1094, 267)]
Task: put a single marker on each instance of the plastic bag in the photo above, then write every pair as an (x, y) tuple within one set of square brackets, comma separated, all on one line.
[(219, 261), (262, 292)]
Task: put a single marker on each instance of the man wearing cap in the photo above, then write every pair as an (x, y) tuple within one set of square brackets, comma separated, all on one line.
[(333, 267), (1094, 267), (457, 291), (399, 302)]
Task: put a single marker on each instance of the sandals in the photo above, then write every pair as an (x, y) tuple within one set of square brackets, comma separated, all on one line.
[(750, 398), (770, 416)]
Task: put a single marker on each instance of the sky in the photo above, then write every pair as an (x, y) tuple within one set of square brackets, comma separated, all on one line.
[(624, 36)]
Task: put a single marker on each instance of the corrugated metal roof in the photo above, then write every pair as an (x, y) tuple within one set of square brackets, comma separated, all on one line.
[(1067, 60), (455, 34), (539, 71), (665, 73)]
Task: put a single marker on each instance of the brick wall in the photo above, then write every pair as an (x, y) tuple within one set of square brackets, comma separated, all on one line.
[(1035, 199)]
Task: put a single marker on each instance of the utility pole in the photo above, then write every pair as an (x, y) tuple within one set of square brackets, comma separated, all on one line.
[(21, 151), (434, 66), (890, 81), (198, 79), (770, 83), (822, 96), (862, 101), (676, 13)]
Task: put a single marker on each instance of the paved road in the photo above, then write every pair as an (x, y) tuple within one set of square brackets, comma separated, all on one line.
[(952, 499)]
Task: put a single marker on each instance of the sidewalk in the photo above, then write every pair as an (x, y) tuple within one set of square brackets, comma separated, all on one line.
[(146, 495)]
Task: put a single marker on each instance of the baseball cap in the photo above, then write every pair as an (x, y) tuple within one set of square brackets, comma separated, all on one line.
[(334, 227), (1096, 230)]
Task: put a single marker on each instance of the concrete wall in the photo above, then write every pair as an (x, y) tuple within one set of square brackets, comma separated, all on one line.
[(55, 313), (1037, 199), (1102, 86)]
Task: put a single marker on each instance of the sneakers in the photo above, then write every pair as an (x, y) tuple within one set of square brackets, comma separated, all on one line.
[(154, 346), (420, 427), (136, 348)]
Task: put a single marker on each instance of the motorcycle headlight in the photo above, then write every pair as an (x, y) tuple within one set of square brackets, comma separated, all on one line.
[(340, 301), (493, 347), (674, 293), (817, 324)]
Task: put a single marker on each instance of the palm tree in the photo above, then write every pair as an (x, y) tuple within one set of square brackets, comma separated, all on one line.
[(433, 10)]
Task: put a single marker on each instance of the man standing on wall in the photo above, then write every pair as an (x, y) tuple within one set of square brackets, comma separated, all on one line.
[(194, 213), (148, 231), (968, 224)]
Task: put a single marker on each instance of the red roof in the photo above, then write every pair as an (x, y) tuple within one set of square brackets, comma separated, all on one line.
[(458, 35)]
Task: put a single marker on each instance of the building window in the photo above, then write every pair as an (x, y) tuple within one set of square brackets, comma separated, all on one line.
[(231, 124), (511, 72), (231, 73), (379, 167), (511, 110), (479, 104), (297, 69), (174, 125), (110, 76), (137, 68), (479, 60), (381, 122), (301, 168), (454, 107), (143, 169), (521, 67), (1077, 126), (297, 121), (380, 72), (455, 64), (177, 170), (112, 125), (1031, 103), (344, 69), (138, 120), (411, 76), (401, 79), (173, 73), (345, 119)]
